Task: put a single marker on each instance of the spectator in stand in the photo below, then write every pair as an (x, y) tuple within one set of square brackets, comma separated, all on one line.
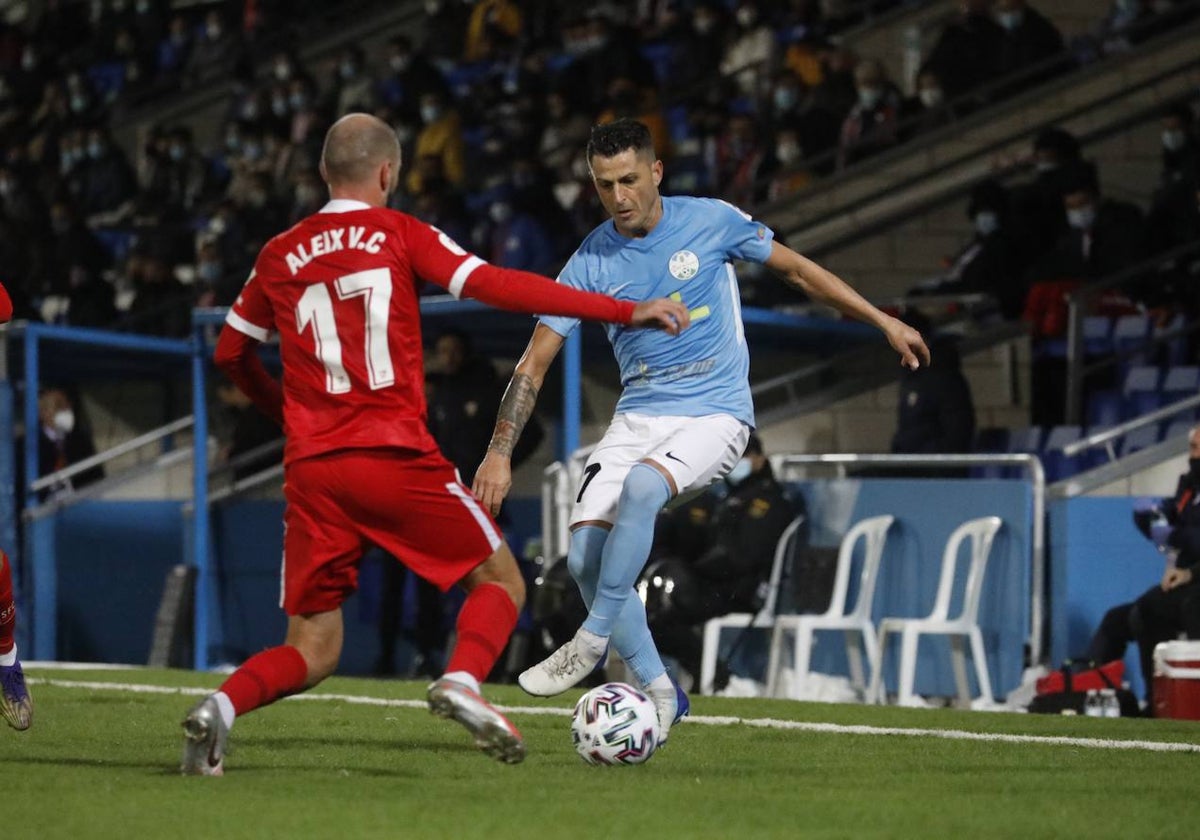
[(249, 431), (1168, 223), (214, 53), (1180, 146), (873, 124), (107, 180), (739, 160), (161, 304), (994, 261), (493, 26), (410, 75), (1127, 23), (565, 130), (91, 300), (63, 439), (928, 109), (628, 101), (785, 168), (71, 244), (750, 57), (441, 137), (1028, 46), (699, 47), (517, 239), (967, 52), (1038, 204), (935, 413), (1104, 235), (355, 88), (445, 30), (600, 55)]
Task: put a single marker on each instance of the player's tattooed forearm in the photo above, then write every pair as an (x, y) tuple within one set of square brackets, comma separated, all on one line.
[(515, 411)]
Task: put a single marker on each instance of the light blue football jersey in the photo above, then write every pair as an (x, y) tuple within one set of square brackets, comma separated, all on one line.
[(687, 256)]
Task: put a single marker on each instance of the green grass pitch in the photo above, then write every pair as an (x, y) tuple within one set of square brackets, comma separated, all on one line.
[(102, 761)]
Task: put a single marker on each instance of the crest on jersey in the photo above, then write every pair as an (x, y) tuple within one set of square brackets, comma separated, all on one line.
[(683, 265)]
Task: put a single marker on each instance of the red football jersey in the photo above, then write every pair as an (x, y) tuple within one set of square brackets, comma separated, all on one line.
[(340, 289)]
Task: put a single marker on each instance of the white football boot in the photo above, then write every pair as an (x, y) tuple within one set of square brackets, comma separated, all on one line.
[(672, 704), (563, 669), (492, 731), (204, 734)]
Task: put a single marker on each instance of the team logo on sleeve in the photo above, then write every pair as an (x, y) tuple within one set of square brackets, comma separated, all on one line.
[(683, 265)]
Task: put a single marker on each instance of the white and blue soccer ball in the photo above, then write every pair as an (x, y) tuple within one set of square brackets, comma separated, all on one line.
[(615, 723)]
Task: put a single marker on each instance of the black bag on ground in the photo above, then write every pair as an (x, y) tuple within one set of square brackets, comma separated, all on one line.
[(1069, 699)]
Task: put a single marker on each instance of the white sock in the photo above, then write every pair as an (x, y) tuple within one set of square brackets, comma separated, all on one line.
[(660, 685), (463, 678), (9, 659), (225, 705), (591, 643)]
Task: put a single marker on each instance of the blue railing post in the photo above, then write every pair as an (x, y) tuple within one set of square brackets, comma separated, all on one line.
[(200, 521), (572, 375)]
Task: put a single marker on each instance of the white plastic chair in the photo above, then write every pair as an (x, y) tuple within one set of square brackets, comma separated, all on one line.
[(742, 621), (856, 624), (981, 532)]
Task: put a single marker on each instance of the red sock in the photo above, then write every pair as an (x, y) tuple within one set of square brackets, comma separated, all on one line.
[(485, 622), (265, 677), (8, 610)]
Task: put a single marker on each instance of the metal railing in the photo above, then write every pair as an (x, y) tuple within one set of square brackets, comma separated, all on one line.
[(1108, 437)]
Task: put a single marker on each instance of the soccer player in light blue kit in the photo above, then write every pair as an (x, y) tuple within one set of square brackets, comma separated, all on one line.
[(685, 413)]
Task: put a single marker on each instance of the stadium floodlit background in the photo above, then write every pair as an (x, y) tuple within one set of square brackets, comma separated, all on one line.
[(148, 149)]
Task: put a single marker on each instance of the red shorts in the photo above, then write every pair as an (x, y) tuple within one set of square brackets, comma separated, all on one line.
[(413, 507)]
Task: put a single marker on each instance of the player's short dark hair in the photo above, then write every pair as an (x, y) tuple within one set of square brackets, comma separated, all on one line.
[(610, 139)]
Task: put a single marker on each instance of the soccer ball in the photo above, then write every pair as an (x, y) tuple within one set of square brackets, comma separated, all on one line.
[(615, 724)]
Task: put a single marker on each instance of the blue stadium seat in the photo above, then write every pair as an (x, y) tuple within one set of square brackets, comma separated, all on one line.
[(1098, 455), (990, 439), (1180, 383), (1104, 408), (1130, 334), (1097, 335), (1140, 391), (1140, 438), (1057, 464), (1028, 439)]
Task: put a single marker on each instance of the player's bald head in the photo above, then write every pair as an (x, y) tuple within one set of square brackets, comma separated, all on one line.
[(355, 147)]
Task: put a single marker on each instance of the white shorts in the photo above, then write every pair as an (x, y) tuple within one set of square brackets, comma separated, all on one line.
[(696, 451)]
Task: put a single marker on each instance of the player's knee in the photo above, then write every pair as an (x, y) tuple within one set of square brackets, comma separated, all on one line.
[(645, 489)]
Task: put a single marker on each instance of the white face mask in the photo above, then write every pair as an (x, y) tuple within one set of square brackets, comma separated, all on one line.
[(931, 97), (1010, 20), (1081, 218), (740, 472), (746, 16), (1174, 139), (787, 152), (430, 113), (500, 212), (64, 421), (986, 222), (869, 97)]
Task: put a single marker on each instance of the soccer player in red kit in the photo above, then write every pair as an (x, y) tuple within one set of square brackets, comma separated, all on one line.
[(360, 466), (15, 703)]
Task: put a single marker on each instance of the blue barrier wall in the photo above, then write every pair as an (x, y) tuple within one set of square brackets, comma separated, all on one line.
[(1098, 560), (113, 559), (926, 512)]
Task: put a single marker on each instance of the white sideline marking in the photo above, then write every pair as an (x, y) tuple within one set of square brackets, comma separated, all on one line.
[(708, 720)]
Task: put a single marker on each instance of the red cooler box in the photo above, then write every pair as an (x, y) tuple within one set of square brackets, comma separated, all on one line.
[(1177, 680)]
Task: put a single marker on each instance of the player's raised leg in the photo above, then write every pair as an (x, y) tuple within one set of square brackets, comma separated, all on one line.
[(495, 595), (644, 491), (16, 704), (308, 655)]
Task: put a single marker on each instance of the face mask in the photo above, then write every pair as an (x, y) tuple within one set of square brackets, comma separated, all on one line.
[(869, 97), (986, 222), (297, 101), (785, 98), (746, 17), (213, 31), (95, 150), (279, 106), (787, 153), (283, 71), (931, 97), (1045, 165), (347, 70), (430, 113), (78, 104), (233, 142), (740, 472), (28, 60), (64, 421), (252, 151), (6, 188), (142, 7), (1128, 6), (1010, 20), (399, 63), (704, 25), (1174, 139), (500, 212), (209, 272), (432, 7), (1081, 218)]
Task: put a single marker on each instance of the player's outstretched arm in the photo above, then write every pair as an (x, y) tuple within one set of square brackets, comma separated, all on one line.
[(493, 479), (825, 286)]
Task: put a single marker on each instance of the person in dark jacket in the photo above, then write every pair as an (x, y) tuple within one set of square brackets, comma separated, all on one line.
[(935, 413), (717, 550), (967, 51), (63, 439), (1028, 47), (1173, 606)]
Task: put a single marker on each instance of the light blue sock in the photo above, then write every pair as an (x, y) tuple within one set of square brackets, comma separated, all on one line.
[(628, 545), (631, 634)]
